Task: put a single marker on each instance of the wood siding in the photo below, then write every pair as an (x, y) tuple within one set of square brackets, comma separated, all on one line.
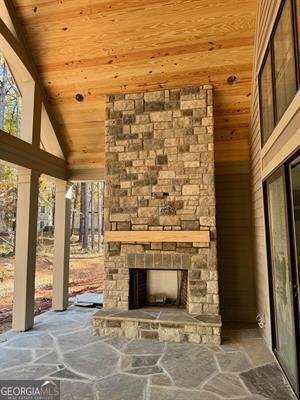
[(237, 287), (265, 19)]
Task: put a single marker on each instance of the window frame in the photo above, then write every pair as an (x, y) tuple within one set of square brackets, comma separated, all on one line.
[(270, 50), (296, 26), (262, 69), (284, 170)]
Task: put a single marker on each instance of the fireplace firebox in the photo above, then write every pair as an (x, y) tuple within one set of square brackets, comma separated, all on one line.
[(161, 288)]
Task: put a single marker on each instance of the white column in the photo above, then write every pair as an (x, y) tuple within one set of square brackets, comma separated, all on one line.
[(26, 234), (30, 130), (62, 221)]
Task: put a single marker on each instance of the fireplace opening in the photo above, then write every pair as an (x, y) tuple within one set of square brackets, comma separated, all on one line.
[(160, 288)]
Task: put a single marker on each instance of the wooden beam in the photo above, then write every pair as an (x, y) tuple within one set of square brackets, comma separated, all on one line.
[(231, 168), (85, 174), (15, 46), (157, 236), (234, 150), (16, 151), (22, 48)]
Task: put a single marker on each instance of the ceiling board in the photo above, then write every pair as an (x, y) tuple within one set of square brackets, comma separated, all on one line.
[(98, 47)]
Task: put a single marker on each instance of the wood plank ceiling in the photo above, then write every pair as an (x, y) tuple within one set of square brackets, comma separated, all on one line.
[(98, 47)]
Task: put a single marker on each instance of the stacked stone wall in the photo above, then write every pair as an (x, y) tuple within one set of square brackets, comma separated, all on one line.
[(160, 177)]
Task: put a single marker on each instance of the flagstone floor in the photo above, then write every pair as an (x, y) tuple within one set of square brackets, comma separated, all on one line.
[(61, 346)]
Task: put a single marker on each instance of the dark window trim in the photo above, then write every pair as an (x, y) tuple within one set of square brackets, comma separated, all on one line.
[(284, 170), (297, 40), (270, 48), (268, 52)]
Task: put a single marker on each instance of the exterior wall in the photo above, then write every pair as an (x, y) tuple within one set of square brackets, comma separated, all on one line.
[(44, 218), (234, 227), (283, 141), (266, 12), (161, 142)]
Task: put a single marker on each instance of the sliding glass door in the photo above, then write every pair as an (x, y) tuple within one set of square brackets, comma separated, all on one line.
[(294, 172), (282, 189)]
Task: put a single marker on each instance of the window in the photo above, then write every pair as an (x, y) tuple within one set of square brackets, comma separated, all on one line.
[(266, 90), (42, 209), (10, 101), (278, 80), (284, 61), (42, 224)]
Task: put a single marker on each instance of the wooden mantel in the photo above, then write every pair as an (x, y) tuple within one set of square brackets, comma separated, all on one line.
[(158, 236)]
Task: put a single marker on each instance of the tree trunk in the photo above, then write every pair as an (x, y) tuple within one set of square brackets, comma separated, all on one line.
[(74, 211), (81, 212), (102, 208), (98, 217), (85, 239), (100, 213), (92, 216), (18, 121), (3, 95)]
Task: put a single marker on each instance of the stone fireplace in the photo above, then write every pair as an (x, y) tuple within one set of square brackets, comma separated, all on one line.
[(160, 213)]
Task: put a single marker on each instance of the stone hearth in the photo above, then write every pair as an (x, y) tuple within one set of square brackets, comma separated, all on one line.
[(160, 179), (165, 324)]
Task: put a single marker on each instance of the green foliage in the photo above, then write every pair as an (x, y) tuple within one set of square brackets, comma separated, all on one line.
[(8, 196), (46, 193)]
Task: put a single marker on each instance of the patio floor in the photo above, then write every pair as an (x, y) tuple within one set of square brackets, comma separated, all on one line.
[(61, 346)]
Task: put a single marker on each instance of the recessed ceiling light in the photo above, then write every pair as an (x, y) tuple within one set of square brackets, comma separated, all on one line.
[(79, 97), (231, 80)]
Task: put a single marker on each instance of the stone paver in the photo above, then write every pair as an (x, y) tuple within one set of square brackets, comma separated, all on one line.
[(14, 357), (121, 387), (171, 394), (233, 361), (267, 380), (144, 347), (69, 341), (226, 385), (62, 347), (189, 365), (28, 372), (77, 390), (96, 360), (36, 341)]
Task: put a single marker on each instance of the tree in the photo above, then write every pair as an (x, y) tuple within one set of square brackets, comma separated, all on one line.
[(8, 202), (92, 216), (10, 101), (74, 210), (100, 215), (81, 221), (85, 238), (3, 84)]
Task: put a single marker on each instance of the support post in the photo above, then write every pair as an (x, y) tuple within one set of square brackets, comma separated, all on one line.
[(62, 223), (26, 236), (30, 130)]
